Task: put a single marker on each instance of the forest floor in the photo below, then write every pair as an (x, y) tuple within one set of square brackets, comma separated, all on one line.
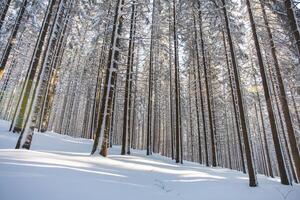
[(60, 167)]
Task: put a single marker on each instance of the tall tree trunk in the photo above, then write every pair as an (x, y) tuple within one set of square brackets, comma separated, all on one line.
[(197, 107), (201, 94), (251, 172), (126, 114), (276, 97), (264, 131), (233, 98), (33, 68), (101, 140), (171, 85), (177, 89), (134, 131), (282, 94), (42, 78), (204, 62), (100, 76), (280, 161), (191, 120), (150, 89), (228, 142), (112, 121), (53, 75)]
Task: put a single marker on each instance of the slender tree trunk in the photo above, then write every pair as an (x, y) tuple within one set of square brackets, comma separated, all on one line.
[(197, 110), (282, 94), (264, 132), (280, 161), (33, 68), (201, 94), (134, 127), (150, 82), (99, 81), (171, 85), (126, 115), (112, 121), (191, 121), (234, 105), (276, 97), (210, 118), (42, 79), (177, 89), (228, 141), (53, 75), (251, 172), (102, 140)]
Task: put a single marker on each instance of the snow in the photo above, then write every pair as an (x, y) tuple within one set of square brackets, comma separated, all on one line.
[(60, 167)]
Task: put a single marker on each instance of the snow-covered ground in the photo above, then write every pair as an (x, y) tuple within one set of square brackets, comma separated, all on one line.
[(60, 167)]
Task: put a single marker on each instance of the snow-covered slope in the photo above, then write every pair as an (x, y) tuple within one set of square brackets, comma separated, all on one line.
[(60, 167)]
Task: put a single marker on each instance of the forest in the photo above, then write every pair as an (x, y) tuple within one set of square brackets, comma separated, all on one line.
[(196, 85)]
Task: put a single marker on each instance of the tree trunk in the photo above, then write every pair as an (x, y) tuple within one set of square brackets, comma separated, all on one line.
[(252, 176), (210, 118), (264, 132), (53, 75), (233, 98), (197, 107), (126, 115), (201, 94), (171, 86), (177, 89), (102, 140), (42, 78), (150, 82), (282, 169), (32, 69), (282, 94)]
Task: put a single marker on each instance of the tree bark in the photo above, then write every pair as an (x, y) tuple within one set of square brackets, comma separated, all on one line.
[(101, 140), (210, 118), (282, 94), (201, 94), (234, 105), (127, 104), (252, 176), (280, 161), (32, 69)]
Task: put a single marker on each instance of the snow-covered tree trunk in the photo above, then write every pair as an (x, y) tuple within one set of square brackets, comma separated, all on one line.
[(101, 140), (31, 121), (20, 114), (126, 116)]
